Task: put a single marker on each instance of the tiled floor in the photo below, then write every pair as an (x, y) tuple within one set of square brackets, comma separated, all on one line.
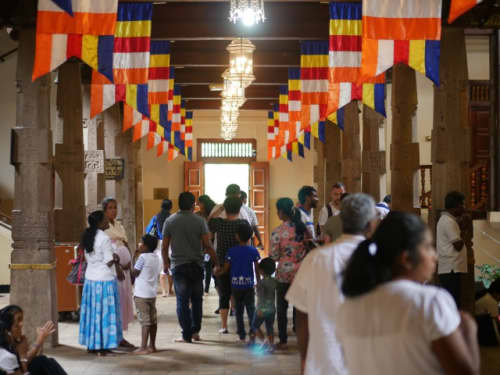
[(216, 354)]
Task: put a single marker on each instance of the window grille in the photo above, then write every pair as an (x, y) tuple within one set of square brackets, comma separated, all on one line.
[(219, 149)]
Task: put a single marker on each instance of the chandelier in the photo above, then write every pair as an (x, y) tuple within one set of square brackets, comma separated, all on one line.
[(240, 70), (249, 12)]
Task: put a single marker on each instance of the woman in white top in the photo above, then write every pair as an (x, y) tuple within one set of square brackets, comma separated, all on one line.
[(391, 323), (100, 319), (119, 241)]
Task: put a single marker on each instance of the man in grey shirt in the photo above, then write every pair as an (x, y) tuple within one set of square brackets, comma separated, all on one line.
[(188, 236)]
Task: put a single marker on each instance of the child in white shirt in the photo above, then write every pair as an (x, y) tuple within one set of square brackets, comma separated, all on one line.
[(147, 270)]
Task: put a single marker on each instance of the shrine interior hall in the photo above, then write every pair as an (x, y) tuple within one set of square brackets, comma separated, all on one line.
[(57, 163)]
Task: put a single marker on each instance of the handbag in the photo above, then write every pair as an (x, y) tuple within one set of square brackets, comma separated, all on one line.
[(154, 228), (79, 265)]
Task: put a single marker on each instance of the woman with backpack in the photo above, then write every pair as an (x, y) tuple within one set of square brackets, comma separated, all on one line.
[(155, 228)]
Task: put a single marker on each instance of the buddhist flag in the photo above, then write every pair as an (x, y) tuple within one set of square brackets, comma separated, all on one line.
[(189, 136), (271, 138), (179, 135), (154, 139), (276, 114), (408, 32), (131, 52), (130, 117), (176, 115), (143, 128), (284, 131), (86, 34), (459, 7), (294, 102), (65, 5), (159, 72), (345, 61), (338, 118), (104, 94)]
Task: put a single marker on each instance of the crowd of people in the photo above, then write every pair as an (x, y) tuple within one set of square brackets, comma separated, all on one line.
[(358, 282)]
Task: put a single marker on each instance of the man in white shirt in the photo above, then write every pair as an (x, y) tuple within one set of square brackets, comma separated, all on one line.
[(254, 222), (333, 207), (451, 249), (315, 291), (232, 190), (308, 200), (384, 207)]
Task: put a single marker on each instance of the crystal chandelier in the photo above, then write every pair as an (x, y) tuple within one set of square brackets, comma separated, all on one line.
[(249, 12), (240, 70)]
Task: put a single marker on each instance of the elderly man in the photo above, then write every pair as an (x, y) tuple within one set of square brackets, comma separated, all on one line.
[(315, 291)]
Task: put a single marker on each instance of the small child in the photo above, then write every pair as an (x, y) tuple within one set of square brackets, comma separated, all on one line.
[(266, 309), (240, 262), (146, 271)]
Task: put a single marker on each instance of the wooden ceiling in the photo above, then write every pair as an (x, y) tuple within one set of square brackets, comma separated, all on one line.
[(201, 31)]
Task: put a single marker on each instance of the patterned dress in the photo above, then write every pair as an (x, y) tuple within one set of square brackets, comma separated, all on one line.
[(287, 251)]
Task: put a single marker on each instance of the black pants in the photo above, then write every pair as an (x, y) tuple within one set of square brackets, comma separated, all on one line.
[(244, 299), (42, 365), (282, 309), (208, 274), (451, 282)]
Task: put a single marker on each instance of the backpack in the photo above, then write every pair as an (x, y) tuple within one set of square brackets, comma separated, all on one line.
[(154, 231)]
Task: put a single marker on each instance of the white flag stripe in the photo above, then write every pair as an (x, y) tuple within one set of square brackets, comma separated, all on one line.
[(344, 59), (130, 60), (315, 85), (81, 6), (59, 50), (385, 55), (402, 8)]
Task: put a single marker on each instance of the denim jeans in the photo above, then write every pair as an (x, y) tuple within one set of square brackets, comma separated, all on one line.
[(282, 309), (188, 284), (208, 274), (244, 298)]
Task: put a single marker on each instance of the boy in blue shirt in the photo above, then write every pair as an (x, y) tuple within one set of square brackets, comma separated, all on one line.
[(241, 262)]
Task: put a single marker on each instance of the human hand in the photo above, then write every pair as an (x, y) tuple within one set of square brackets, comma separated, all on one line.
[(116, 258), (45, 331)]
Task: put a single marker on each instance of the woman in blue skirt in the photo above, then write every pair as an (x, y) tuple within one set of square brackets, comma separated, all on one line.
[(100, 320)]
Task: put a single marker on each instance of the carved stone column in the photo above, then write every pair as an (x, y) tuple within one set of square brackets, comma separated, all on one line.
[(405, 153), (119, 145), (33, 282), (333, 155), (374, 167), (351, 149), (451, 136), (94, 156), (70, 218)]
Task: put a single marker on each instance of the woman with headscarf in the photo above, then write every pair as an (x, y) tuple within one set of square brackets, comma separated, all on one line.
[(155, 228), (100, 318), (116, 233)]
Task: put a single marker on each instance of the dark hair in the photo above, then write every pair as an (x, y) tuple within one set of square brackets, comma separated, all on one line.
[(186, 201), (453, 199), (150, 241), (286, 206), (244, 231), (338, 185), (374, 261), (208, 203), (232, 189), (343, 196), (166, 206), (388, 199), (6, 321), (243, 195), (232, 205), (495, 286), (267, 266), (88, 237), (304, 192), (106, 201)]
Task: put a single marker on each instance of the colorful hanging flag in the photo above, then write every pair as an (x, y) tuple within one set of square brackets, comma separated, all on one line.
[(87, 35), (179, 135), (176, 116), (271, 138), (131, 52), (314, 80), (345, 61), (189, 136), (159, 72), (294, 102), (338, 118), (64, 5), (104, 94), (130, 117), (276, 114), (284, 131), (408, 32), (143, 128), (154, 139), (459, 7)]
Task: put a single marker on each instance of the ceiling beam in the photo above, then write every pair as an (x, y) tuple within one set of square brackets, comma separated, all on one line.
[(215, 104), (208, 75), (257, 92)]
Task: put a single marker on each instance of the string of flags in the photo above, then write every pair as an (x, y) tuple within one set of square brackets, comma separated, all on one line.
[(365, 40)]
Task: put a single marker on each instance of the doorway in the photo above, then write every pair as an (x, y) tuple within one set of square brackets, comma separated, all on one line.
[(219, 176)]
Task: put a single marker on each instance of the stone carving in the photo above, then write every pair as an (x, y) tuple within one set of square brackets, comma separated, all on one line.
[(94, 161), (30, 226)]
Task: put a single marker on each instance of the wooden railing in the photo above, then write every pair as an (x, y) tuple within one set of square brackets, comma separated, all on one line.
[(479, 176), (425, 186)]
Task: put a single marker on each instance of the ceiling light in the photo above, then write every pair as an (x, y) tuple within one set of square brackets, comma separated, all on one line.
[(249, 12)]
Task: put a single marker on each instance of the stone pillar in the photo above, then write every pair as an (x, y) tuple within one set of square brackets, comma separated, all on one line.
[(405, 153), (451, 137), (351, 149), (374, 168), (33, 276), (94, 156), (119, 145), (70, 218), (333, 155)]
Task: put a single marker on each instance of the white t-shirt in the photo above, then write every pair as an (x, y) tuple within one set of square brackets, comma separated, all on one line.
[(316, 291), (390, 330), (146, 284), (97, 268), (447, 233), (252, 216), (8, 361), (308, 220), (243, 213), (323, 214)]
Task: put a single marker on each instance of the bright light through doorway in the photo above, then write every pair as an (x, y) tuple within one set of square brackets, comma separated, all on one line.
[(219, 176)]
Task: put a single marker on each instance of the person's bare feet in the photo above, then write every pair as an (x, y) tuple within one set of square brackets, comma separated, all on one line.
[(164, 294), (181, 340), (152, 349), (142, 351), (196, 337)]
